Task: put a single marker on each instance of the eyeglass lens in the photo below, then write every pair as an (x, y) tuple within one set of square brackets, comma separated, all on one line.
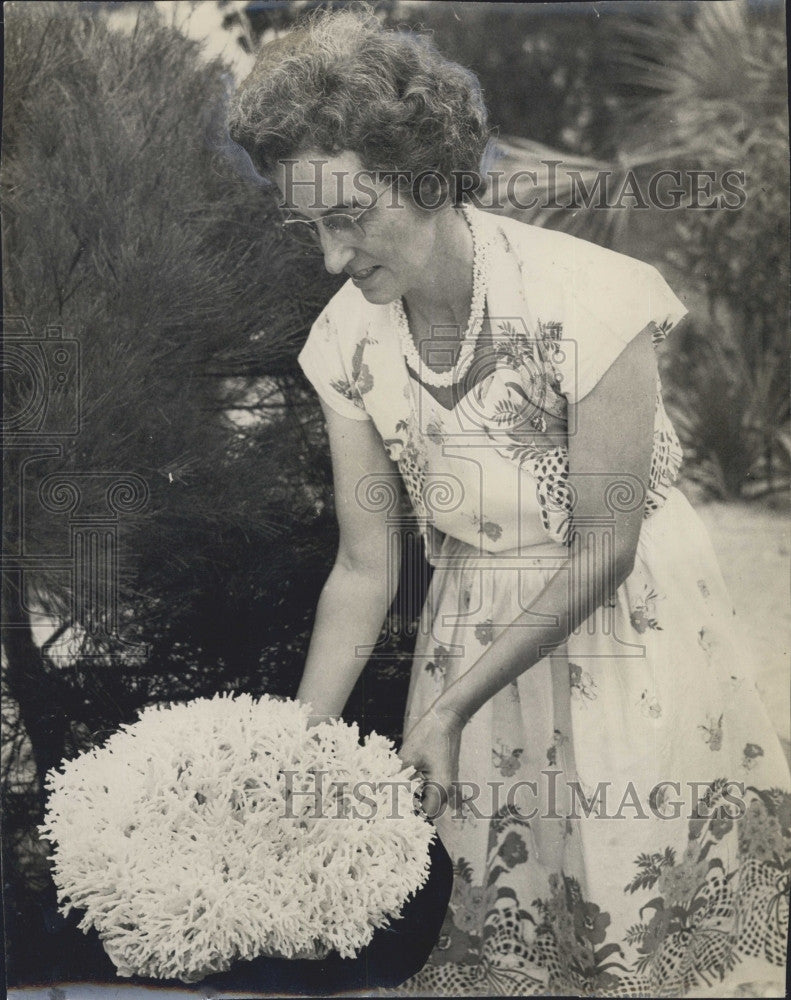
[(306, 231)]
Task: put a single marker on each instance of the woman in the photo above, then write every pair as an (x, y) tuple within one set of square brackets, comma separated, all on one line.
[(577, 672)]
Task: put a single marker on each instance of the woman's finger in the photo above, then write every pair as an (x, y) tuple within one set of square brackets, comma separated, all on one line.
[(433, 804)]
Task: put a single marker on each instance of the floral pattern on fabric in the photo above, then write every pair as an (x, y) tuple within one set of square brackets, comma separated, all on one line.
[(361, 380), (521, 414), (540, 382), (507, 761), (484, 632), (583, 686), (484, 925), (438, 664), (649, 706), (678, 893), (408, 450), (490, 529), (559, 740), (643, 616), (686, 911), (712, 732)]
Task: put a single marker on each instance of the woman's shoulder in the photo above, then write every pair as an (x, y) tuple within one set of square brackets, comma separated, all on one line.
[(594, 299), (577, 279), (555, 253), (333, 356)]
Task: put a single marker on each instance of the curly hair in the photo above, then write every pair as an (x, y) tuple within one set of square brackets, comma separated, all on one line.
[(340, 81)]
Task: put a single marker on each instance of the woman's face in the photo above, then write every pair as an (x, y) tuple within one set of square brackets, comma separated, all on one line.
[(393, 255)]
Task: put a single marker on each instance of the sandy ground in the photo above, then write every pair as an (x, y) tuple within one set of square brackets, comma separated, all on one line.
[(753, 545)]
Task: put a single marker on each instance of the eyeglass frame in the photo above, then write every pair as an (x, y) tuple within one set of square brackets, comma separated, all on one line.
[(314, 239)]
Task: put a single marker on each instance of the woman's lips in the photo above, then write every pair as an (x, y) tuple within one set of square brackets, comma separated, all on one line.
[(363, 274)]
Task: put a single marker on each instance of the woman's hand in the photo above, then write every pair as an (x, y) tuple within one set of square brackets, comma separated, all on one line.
[(432, 747)]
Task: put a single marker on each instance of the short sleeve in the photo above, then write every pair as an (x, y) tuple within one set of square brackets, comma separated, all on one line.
[(340, 380), (609, 299)]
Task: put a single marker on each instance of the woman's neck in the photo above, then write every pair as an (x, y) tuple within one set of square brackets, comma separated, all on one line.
[(443, 292)]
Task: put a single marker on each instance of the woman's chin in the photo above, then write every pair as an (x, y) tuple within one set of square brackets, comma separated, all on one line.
[(380, 296), (379, 289)]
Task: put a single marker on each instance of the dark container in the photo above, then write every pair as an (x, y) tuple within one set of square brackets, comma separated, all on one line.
[(394, 954)]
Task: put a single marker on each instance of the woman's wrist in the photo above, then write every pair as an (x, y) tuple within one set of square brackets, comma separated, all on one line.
[(511, 655), (322, 709), (450, 715)]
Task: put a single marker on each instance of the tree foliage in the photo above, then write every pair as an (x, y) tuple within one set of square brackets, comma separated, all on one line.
[(132, 226), (715, 99)]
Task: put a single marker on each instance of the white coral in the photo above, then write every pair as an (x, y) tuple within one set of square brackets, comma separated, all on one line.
[(195, 838)]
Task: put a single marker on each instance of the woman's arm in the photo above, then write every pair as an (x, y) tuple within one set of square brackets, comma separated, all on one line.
[(612, 444), (364, 578)]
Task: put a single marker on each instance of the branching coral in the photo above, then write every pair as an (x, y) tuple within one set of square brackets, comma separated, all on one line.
[(225, 828)]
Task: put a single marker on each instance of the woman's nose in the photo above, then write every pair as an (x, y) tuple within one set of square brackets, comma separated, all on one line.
[(336, 254)]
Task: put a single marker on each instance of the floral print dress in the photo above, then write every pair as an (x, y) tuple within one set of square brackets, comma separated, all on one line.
[(626, 823)]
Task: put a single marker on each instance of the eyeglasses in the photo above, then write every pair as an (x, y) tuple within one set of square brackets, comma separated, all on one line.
[(340, 225)]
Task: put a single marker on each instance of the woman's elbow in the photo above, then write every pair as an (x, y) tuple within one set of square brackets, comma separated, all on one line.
[(380, 569)]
